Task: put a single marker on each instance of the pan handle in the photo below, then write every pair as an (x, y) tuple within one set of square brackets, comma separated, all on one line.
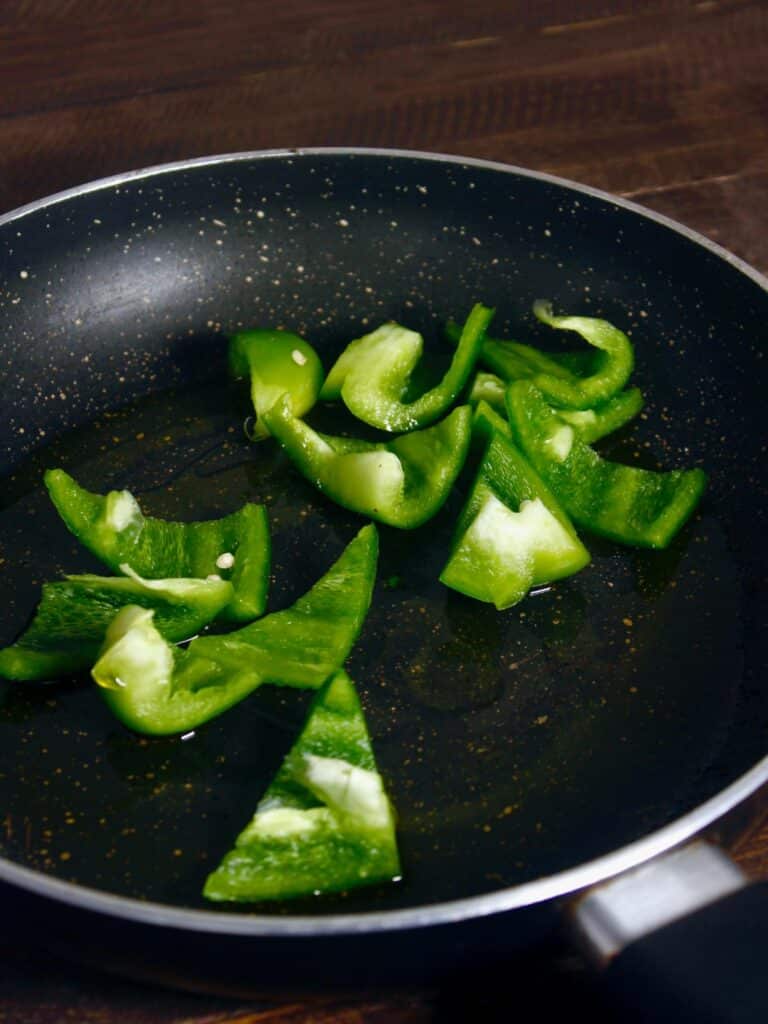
[(681, 938)]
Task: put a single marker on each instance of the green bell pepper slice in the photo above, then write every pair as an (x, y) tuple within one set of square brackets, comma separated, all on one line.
[(325, 824), (372, 375), (512, 534), (70, 622), (635, 506), (569, 380), (490, 388), (486, 422), (158, 689), (277, 362), (603, 419), (402, 482), (610, 375), (514, 360), (112, 526), (590, 424)]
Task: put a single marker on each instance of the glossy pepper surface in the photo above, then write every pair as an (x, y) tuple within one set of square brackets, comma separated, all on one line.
[(158, 689), (113, 527), (71, 621), (402, 482), (512, 534), (276, 363), (569, 380), (514, 360), (634, 506), (590, 424), (373, 373), (615, 362), (325, 824)]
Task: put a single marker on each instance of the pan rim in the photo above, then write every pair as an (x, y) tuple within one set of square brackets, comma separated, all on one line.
[(243, 156), (537, 890)]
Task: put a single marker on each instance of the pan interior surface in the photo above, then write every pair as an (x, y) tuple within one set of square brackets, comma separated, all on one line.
[(516, 744)]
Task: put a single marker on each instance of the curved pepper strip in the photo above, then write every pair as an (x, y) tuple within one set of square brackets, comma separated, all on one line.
[(325, 823), (277, 362), (570, 380), (514, 360), (372, 375), (402, 483), (113, 527), (590, 424), (70, 622), (158, 689), (512, 533), (609, 376), (634, 506)]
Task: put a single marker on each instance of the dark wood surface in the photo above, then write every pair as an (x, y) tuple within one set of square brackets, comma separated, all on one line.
[(664, 101)]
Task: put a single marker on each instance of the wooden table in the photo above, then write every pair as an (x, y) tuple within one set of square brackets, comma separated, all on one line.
[(665, 102)]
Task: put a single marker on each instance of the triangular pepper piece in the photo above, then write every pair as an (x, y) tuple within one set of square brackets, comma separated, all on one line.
[(325, 824)]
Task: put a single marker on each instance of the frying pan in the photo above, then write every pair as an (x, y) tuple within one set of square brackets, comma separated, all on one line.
[(530, 754)]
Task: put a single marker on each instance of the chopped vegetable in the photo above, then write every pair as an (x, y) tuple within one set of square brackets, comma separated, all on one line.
[(490, 388), (372, 374), (590, 424), (401, 483), (277, 363), (511, 534), (73, 615), (569, 380), (596, 423), (626, 503), (158, 689), (513, 360), (114, 529), (609, 376), (325, 823), (486, 421)]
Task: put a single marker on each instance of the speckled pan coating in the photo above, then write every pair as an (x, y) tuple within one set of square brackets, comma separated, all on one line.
[(526, 750)]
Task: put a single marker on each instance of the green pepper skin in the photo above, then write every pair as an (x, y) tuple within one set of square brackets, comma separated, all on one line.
[(157, 689), (371, 376), (603, 419), (590, 424), (277, 363), (115, 530), (634, 506), (513, 360), (610, 375), (325, 823), (568, 380), (486, 422), (402, 483), (512, 534), (71, 620), (490, 388)]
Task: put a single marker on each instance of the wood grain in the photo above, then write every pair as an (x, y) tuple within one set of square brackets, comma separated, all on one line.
[(665, 102), (646, 97)]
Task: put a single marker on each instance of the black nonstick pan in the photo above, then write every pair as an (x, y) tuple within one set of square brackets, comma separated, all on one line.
[(531, 754)]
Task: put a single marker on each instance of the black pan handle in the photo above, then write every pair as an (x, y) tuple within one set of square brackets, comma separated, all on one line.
[(710, 967), (684, 938)]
